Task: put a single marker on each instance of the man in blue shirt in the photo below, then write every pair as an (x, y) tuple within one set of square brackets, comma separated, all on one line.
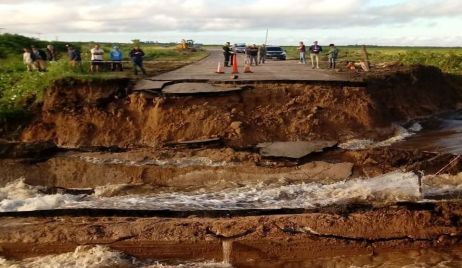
[(116, 57)]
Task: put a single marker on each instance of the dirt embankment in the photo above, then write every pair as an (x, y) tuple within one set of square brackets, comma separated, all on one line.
[(150, 171), (77, 114), (283, 237), (81, 114)]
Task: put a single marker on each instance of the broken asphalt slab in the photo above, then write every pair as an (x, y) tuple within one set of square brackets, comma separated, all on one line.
[(150, 85), (197, 88), (293, 149)]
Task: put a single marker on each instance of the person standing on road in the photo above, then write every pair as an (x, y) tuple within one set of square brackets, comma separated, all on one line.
[(137, 55), (97, 54), (253, 53), (332, 56), (233, 54), (27, 59), (116, 58), (262, 54), (301, 49), (315, 49), (227, 53)]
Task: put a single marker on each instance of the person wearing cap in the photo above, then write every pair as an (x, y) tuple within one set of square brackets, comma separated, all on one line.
[(315, 49), (116, 58)]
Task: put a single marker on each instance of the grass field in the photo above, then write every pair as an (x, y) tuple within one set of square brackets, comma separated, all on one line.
[(19, 88), (447, 59)]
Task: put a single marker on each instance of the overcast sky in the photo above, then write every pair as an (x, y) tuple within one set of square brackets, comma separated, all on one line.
[(373, 22)]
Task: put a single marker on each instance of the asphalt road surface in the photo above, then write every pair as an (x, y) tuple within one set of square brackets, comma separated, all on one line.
[(272, 70)]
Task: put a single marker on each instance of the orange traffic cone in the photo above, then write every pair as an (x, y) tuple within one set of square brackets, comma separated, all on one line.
[(247, 68), (235, 71), (220, 69)]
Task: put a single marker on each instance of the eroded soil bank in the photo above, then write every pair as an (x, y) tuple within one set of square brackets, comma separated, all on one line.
[(147, 171), (282, 237), (95, 135), (76, 114)]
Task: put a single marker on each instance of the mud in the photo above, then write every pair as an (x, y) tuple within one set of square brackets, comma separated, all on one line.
[(75, 114), (286, 237), (102, 138)]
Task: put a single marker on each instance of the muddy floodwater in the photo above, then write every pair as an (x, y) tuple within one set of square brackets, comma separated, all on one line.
[(100, 256), (348, 173)]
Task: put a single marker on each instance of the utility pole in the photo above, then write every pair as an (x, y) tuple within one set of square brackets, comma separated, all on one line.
[(266, 37)]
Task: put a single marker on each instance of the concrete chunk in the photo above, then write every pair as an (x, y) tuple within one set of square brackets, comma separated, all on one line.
[(293, 149)]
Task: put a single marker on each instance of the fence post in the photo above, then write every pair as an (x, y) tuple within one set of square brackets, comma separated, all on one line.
[(366, 59)]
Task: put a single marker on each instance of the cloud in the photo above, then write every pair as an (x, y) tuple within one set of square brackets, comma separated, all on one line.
[(209, 16)]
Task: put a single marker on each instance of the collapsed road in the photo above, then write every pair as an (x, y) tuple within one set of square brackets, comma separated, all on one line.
[(191, 165)]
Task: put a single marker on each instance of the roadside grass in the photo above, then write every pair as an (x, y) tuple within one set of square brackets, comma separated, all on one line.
[(447, 59), (21, 90)]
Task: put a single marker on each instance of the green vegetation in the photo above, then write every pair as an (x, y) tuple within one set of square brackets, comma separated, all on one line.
[(20, 89), (447, 59)]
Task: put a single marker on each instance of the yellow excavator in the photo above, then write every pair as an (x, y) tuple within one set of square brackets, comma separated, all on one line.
[(185, 45)]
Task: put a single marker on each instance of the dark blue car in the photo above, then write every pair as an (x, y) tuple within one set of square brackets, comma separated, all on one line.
[(275, 52)]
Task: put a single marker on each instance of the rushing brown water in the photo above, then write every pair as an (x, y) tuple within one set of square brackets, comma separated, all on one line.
[(416, 258), (97, 257), (442, 135)]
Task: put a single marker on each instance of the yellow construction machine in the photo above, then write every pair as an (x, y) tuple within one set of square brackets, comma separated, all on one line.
[(185, 45)]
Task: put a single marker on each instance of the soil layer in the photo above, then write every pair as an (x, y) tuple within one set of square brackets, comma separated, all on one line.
[(95, 134), (282, 237), (75, 114)]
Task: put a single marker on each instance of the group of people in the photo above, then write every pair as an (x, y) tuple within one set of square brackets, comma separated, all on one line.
[(255, 54), (314, 51), (36, 59), (115, 58)]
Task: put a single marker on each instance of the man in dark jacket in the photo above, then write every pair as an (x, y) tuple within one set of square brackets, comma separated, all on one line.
[(253, 54), (39, 58), (137, 55), (51, 53), (74, 57), (227, 53), (315, 49)]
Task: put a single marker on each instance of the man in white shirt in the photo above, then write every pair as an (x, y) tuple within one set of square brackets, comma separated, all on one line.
[(27, 59), (96, 58)]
